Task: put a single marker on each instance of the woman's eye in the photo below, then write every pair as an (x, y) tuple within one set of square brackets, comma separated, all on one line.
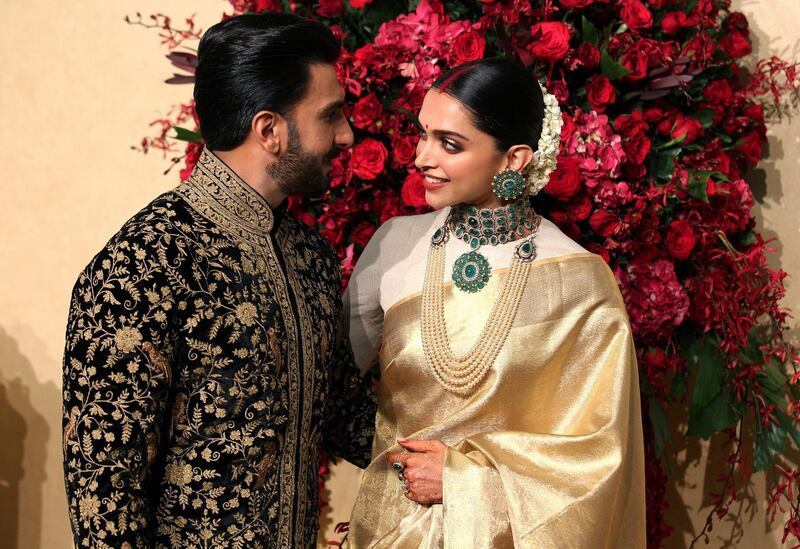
[(422, 134), (450, 146)]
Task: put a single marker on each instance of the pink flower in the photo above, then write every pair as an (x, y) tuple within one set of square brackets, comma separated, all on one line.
[(596, 146), (655, 300)]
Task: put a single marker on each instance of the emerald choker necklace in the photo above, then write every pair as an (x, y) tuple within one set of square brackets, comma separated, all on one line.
[(479, 227)]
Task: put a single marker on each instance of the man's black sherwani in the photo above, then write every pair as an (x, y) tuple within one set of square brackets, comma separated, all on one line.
[(205, 368)]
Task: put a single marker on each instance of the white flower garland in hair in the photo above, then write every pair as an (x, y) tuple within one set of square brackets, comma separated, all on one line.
[(544, 158)]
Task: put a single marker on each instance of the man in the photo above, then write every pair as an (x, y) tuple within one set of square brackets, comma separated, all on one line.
[(205, 366)]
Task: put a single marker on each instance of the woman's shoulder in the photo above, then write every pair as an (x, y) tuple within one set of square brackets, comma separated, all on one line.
[(417, 222), (552, 242), (404, 230)]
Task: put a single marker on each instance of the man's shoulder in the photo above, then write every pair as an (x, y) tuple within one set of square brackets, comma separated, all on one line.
[(148, 233)]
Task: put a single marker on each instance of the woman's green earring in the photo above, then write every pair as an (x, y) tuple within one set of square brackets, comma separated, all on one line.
[(508, 185)]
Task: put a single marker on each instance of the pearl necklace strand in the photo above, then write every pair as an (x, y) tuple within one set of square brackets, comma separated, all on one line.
[(462, 375)]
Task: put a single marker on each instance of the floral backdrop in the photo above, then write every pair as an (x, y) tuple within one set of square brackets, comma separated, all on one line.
[(661, 122)]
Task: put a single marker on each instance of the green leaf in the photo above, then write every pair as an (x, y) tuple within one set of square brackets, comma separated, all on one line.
[(710, 373), (663, 163), (698, 183), (612, 68), (715, 417), (589, 32), (705, 117), (381, 11), (672, 142), (770, 442), (698, 188), (710, 410), (183, 134), (748, 238), (662, 435)]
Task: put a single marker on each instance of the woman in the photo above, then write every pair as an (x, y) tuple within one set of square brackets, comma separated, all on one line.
[(505, 351)]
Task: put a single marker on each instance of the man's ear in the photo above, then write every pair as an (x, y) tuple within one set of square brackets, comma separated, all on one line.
[(270, 131)]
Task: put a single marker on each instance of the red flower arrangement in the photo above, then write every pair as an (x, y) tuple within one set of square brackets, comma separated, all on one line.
[(660, 124)]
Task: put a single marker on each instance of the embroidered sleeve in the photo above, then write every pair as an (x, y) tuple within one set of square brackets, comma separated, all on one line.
[(351, 407), (116, 379)]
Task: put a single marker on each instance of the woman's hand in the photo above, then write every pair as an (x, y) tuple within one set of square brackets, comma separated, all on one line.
[(423, 465)]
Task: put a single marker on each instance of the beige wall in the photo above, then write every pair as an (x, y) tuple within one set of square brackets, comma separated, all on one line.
[(77, 89)]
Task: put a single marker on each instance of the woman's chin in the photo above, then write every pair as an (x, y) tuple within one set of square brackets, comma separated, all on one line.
[(435, 200)]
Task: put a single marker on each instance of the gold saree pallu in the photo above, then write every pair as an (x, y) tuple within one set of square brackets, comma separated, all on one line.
[(547, 452)]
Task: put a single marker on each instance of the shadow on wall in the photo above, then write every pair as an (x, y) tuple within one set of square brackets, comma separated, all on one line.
[(24, 434)]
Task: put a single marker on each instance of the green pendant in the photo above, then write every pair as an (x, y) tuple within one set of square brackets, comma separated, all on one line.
[(471, 272)]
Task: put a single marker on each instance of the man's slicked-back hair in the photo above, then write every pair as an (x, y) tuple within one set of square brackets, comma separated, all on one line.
[(251, 63)]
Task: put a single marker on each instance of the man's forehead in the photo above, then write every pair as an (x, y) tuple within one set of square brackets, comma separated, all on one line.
[(324, 82)]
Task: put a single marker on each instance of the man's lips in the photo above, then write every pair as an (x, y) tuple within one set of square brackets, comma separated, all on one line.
[(434, 183)]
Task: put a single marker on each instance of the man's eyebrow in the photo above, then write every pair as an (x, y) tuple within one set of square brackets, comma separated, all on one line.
[(335, 106)]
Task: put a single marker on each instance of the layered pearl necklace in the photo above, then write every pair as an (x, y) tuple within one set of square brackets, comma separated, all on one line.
[(462, 375)]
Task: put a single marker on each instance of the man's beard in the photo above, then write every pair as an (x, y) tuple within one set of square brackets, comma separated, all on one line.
[(298, 172)]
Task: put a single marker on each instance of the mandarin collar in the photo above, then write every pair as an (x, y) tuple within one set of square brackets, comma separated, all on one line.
[(235, 203)]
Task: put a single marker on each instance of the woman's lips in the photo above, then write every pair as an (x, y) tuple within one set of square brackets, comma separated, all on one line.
[(434, 183)]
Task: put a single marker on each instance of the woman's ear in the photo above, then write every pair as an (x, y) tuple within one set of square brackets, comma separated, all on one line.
[(518, 157), (270, 131)]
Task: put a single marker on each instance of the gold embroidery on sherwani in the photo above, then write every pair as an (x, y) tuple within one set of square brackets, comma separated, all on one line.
[(248, 217), (195, 392)]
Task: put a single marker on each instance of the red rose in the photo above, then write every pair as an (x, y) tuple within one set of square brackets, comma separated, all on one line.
[(750, 146), (367, 112), (673, 22), (467, 46), (736, 21), (579, 207), (359, 4), (604, 223), (387, 205), (369, 158), (588, 55), (719, 92), (700, 46), (330, 8), (636, 15), (636, 147), (688, 126), (596, 248), (267, 5), (559, 89), (635, 60), (404, 149), (755, 113), (600, 93), (735, 44), (413, 191), (575, 4), (565, 180), (553, 44), (193, 151), (680, 239), (361, 234)]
